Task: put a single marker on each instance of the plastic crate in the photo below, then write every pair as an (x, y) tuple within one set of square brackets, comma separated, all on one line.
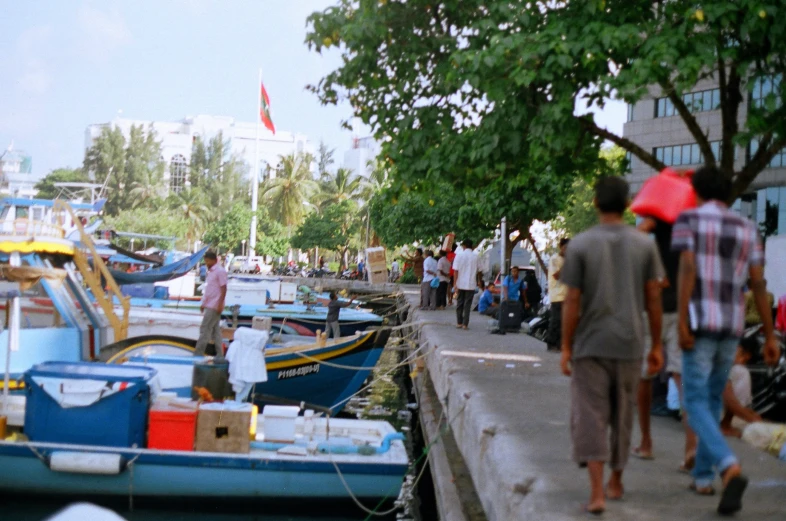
[(117, 417), (172, 426)]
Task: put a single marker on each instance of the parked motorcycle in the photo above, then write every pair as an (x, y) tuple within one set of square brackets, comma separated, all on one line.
[(538, 326), (768, 383)]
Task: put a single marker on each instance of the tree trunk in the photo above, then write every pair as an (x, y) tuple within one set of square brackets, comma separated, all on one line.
[(537, 253)]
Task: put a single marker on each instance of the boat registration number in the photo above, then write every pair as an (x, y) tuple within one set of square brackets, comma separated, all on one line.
[(299, 371)]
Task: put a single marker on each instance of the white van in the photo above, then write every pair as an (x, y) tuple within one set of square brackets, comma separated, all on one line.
[(255, 264)]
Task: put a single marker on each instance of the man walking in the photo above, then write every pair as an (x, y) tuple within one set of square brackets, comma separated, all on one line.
[(610, 270), (332, 325), (662, 232), (557, 292), (719, 251), (465, 266), (212, 306), (428, 295)]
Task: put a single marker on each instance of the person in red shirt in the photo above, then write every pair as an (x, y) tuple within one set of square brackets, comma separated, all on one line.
[(451, 255)]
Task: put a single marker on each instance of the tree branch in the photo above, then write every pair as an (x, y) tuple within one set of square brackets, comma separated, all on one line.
[(622, 142), (758, 162), (730, 104), (690, 121), (537, 253)]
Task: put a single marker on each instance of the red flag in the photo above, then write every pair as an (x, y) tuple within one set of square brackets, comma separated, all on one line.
[(264, 111)]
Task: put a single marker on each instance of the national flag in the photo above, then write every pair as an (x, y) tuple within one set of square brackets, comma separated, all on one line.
[(264, 110)]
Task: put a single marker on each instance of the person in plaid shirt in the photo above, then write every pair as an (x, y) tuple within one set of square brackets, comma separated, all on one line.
[(719, 252)]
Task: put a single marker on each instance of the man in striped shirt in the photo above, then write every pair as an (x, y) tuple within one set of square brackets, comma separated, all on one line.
[(719, 252)]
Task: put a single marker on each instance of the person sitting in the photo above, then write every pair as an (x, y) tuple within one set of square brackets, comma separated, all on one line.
[(486, 305), (738, 396), (752, 317)]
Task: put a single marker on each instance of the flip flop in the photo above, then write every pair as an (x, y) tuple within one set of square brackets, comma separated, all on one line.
[(731, 497), (708, 491), (638, 453), (687, 465), (594, 511)]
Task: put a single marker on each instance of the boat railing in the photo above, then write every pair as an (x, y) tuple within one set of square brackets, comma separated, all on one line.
[(94, 274), (31, 228)]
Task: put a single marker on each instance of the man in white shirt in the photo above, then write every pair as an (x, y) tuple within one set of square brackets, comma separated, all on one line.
[(428, 295), (394, 271), (465, 266), (557, 292)]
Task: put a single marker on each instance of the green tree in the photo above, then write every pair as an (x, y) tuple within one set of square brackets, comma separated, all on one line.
[(218, 173), (339, 187), (331, 229), (440, 120), (125, 165), (161, 221), (424, 216), (325, 159), (192, 204), (293, 185), (471, 55), (46, 186), (228, 232)]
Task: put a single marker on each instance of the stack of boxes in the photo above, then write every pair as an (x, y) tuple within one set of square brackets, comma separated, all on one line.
[(377, 265)]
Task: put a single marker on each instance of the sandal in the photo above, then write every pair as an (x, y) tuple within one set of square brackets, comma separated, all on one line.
[(703, 491), (593, 511), (638, 453), (731, 497), (687, 465)]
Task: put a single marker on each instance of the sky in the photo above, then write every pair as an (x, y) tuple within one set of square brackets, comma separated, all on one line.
[(70, 63)]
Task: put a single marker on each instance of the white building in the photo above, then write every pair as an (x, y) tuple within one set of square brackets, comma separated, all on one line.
[(16, 174), (360, 157), (177, 138)]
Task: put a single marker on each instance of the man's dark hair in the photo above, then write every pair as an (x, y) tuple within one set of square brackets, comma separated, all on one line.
[(611, 194), (429, 253), (420, 251), (210, 254), (563, 242), (454, 247), (333, 295), (711, 184), (467, 243), (443, 253)]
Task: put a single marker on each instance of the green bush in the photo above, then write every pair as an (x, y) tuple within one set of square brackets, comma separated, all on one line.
[(408, 277)]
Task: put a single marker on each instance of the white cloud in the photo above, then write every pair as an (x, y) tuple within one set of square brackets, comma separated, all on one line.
[(34, 78), (101, 33)]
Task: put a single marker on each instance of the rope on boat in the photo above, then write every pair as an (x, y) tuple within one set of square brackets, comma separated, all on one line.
[(130, 466)]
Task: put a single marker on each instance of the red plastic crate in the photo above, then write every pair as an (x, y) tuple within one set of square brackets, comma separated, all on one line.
[(171, 428)]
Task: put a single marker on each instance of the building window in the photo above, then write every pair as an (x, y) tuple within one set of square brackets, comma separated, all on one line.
[(701, 101), (689, 154), (764, 88), (178, 173), (630, 112), (628, 161)]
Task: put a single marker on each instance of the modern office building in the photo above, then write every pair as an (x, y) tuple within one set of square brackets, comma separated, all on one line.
[(654, 124), (177, 138)]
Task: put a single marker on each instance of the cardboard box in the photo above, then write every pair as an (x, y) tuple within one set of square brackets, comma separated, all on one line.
[(378, 277), (223, 427)]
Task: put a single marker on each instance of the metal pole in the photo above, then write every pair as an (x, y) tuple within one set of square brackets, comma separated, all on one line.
[(503, 241), (252, 239)]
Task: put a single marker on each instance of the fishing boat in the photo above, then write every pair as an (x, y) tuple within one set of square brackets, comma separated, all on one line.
[(93, 430)]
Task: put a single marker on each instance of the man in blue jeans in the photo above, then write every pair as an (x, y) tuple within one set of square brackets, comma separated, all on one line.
[(719, 251)]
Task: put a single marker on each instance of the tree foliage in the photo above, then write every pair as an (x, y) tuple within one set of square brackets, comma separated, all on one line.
[(401, 218), (46, 186), (163, 221), (474, 90), (125, 165), (228, 232), (218, 173), (293, 185), (331, 229)]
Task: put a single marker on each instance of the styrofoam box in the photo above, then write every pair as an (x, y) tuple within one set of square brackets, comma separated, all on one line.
[(16, 410), (279, 421), (261, 323)]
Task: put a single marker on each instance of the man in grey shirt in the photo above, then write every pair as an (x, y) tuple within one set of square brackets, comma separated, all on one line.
[(334, 308), (611, 270)]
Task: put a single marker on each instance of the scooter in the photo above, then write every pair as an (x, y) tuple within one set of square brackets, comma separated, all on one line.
[(538, 326), (768, 383)]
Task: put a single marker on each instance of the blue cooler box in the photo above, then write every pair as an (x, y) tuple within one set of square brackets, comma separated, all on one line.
[(88, 403)]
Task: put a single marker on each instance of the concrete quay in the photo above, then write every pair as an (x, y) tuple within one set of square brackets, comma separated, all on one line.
[(508, 408)]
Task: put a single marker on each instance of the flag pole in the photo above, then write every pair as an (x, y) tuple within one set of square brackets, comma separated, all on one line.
[(252, 240)]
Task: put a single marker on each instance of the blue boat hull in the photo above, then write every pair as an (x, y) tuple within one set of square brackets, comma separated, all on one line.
[(328, 382), (196, 475)]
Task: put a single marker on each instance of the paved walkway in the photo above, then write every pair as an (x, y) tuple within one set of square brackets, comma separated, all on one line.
[(508, 406)]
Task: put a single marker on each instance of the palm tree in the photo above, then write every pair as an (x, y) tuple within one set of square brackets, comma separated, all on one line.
[(290, 189), (377, 180), (146, 192), (340, 187), (192, 204)]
